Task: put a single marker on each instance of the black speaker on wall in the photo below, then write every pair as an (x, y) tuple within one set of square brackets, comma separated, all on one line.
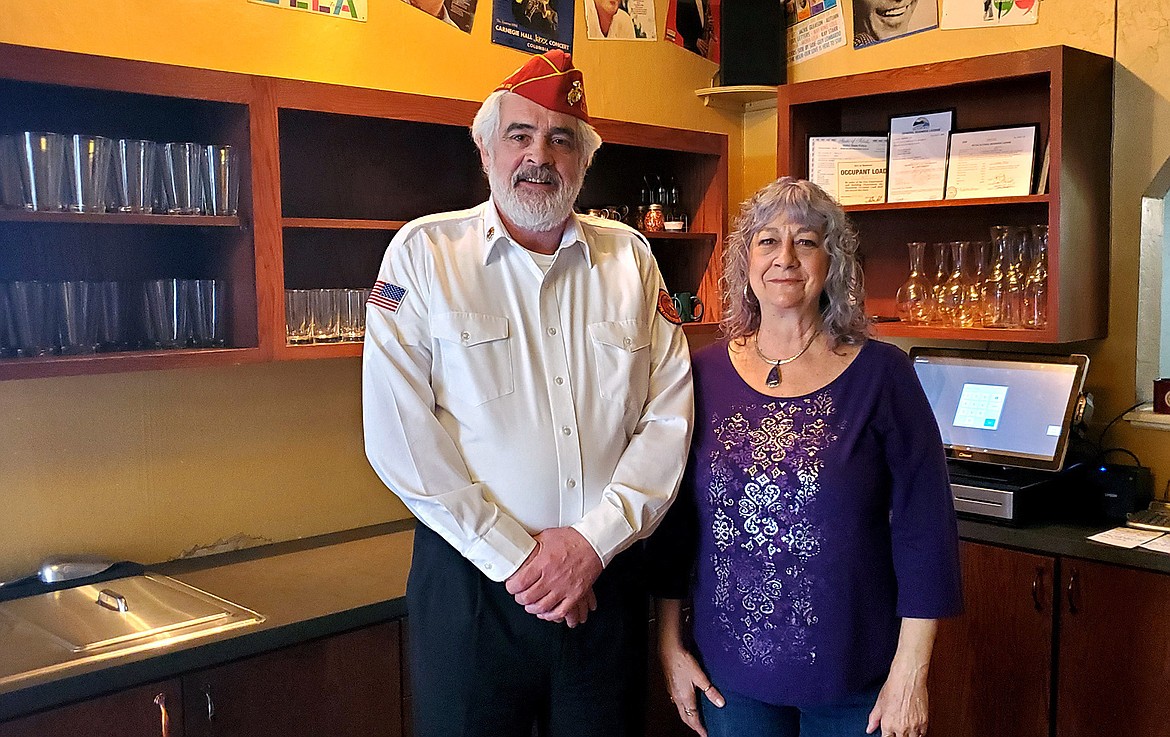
[(752, 43)]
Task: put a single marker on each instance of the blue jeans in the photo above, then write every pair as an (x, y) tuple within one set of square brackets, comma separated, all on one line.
[(743, 716)]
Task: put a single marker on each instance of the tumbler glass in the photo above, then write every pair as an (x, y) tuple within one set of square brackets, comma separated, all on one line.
[(134, 175), (297, 317), (221, 180), (72, 301), (207, 302), (182, 182), (324, 308), (42, 169), (33, 317), (88, 166), (11, 189), (106, 315), (166, 314), (352, 325)]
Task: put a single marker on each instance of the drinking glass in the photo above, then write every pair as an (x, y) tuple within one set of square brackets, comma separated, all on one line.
[(1035, 300), (88, 166), (42, 170), (106, 315), (352, 326), (182, 183), (207, 302), (221, 180), (298, 319), (7, 328), (915, 297), (11, 189), (134, 175), (72, 302), (33, 318), (166, 314), (323, 306)]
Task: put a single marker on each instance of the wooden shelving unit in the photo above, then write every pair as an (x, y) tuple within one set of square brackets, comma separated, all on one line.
[(330, 173), (1067, 92)]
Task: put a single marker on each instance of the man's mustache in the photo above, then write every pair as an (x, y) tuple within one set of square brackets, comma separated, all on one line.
[(538, 174)]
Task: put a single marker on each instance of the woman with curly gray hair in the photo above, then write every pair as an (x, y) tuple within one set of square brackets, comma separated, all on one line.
[(814, 529)]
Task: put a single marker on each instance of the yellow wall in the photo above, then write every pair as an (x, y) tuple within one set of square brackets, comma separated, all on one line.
[(147, 466), (1141, 143)]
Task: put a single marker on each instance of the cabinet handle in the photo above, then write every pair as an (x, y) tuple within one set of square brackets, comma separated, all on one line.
[(165, 719), (1074, 591), (1036, 583), (210, 703)]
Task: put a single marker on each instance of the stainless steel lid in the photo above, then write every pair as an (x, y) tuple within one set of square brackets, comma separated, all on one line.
[(122, 611)]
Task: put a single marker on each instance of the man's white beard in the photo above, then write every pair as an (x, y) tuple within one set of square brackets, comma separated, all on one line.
[(536, 211)]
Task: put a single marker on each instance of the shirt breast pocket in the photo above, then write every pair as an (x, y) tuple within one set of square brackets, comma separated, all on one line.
[(622, 352), (476, 355)]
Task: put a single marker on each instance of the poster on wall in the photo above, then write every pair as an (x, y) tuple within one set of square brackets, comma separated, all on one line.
[(534, 26), (813, 28), (607, 20), (348, 9), (694, 25), (455, 13), (878, 21), (987, 13)]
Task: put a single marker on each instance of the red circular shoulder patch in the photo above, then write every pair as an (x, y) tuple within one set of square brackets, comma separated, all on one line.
[(666, 308)]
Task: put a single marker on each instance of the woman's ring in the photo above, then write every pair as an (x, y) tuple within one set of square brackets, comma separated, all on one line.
[(708, 688)]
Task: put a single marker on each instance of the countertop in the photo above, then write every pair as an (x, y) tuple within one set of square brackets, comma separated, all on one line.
[(305, 589), (329, 584)]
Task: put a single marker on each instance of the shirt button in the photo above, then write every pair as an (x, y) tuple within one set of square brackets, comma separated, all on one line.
[(560, 380), (567, 430), (629, 341), (487, 566), (466, 336), (571, 483), (552, 331)]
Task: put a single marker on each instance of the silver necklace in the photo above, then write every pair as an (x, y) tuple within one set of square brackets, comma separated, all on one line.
[(773, 379)]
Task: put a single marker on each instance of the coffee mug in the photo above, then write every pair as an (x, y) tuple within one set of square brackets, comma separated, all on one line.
[(688, 306)]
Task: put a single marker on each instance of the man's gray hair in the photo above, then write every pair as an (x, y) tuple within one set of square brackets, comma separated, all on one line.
[(486, 127)]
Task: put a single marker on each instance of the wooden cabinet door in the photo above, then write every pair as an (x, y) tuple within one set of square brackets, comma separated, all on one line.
[(146, 711), (992, 666), (348, 684), (1114, 659)]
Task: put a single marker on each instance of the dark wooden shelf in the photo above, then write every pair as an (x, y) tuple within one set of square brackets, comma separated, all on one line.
[(319, 350), (992, 335), (342, 223), (104, 363), (934, 204), (118, 218), (674, 235)]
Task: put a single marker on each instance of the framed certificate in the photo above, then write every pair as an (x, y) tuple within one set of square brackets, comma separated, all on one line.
[(825, 151), (992, 163), (918, 166), (941, 120)]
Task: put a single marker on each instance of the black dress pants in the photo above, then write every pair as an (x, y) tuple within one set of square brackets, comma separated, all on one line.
[(481, 666)]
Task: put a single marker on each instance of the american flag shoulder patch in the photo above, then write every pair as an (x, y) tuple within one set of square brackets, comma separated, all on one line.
[(387, 296)]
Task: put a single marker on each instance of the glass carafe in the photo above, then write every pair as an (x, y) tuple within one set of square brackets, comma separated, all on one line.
[(1035, 300), (915, 297), (1004, 286), (956, 305), (942, 269)]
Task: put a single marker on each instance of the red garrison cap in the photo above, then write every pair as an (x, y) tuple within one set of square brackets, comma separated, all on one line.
[(550, 81)]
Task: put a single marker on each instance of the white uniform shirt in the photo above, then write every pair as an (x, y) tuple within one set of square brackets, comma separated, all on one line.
[(500, 401)]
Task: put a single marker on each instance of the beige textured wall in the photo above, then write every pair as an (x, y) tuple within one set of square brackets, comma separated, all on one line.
[(148, 466)]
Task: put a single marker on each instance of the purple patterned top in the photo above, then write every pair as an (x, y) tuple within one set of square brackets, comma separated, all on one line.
[(821, 520)]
